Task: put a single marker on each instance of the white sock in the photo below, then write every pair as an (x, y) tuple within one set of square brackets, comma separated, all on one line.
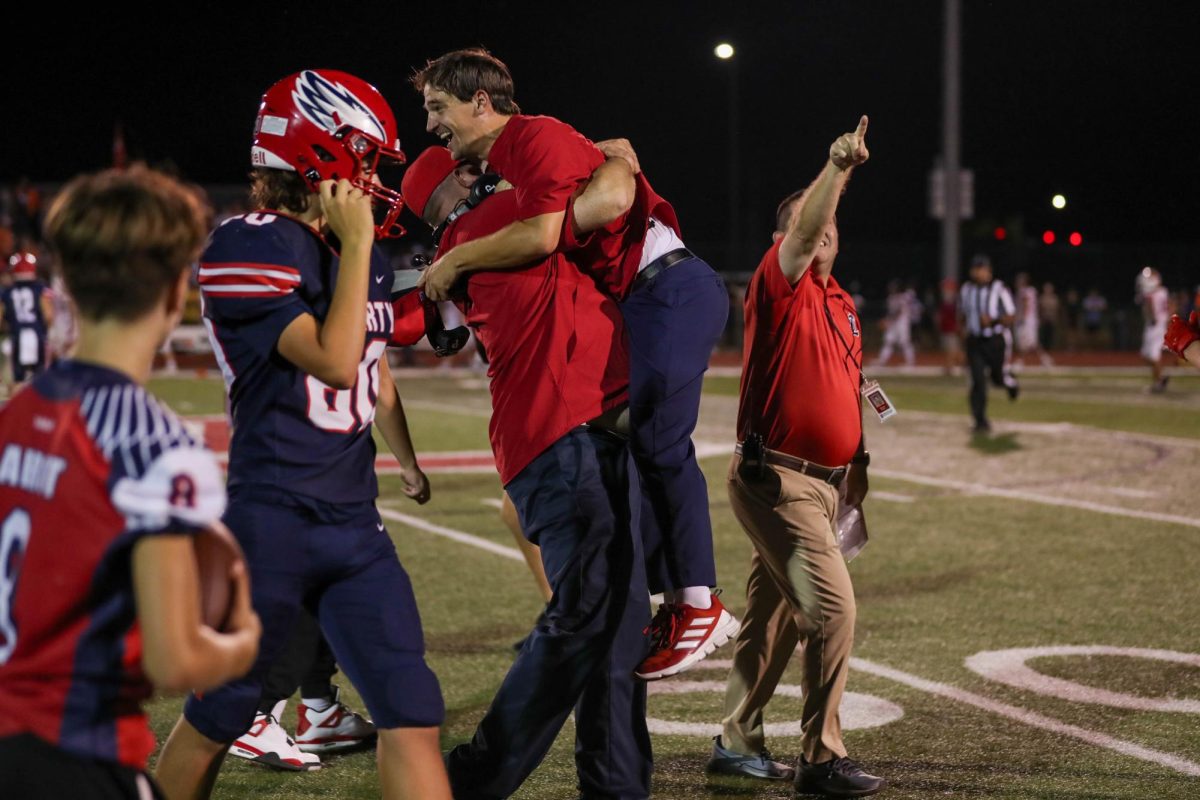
[(317, 704), (694, 596)]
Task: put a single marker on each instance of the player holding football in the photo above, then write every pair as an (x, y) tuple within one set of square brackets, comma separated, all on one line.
[(101, 490), (300, 327), (673, 304)]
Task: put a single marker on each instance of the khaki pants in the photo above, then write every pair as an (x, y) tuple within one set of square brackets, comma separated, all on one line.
[(799, 592)]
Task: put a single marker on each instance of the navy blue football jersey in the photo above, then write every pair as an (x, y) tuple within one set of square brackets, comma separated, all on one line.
[(26, 324), (258, 273)]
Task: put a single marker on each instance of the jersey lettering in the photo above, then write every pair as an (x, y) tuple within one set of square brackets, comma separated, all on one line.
[(23, 305), (31, 470), (14, 536), (347, 410), (259, 218)]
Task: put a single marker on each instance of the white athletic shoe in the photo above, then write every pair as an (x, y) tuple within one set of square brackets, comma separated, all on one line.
[(268, 743), (336, 728)]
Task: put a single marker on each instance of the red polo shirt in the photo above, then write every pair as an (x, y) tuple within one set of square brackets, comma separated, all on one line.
[(613, 253), (547, 160), (801, 366), (555, 344)]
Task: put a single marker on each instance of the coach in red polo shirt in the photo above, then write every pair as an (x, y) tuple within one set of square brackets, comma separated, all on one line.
[(557, 361), (800, 436)]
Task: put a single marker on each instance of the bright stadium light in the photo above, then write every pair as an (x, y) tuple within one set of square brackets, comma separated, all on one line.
[(724, 51), (1058, 201)]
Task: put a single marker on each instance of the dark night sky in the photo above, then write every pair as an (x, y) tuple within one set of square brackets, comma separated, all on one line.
[(1098, 100)]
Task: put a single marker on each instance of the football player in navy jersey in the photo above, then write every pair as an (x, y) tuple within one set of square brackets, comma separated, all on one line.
[(28, 314), (299, 327), (101, 491)]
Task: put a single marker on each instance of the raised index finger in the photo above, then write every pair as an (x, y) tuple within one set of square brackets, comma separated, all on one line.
[(861, 131)]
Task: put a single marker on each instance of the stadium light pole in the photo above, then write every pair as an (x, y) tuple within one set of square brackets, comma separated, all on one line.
[(725, 52), (951, 142)]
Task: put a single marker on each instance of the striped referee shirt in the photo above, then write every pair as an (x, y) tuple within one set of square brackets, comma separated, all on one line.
[(993, 301)]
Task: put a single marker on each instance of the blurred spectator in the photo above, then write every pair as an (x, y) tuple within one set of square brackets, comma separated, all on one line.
[(903, 309), (1095, 306), (26, 211), (1049, 311), (1025, 329), (948, 327), (1071, 316)]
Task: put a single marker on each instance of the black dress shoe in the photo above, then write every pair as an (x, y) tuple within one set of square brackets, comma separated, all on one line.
[(838, 777)]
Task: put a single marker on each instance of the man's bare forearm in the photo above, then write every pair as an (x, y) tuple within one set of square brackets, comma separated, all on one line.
[(513, 245)]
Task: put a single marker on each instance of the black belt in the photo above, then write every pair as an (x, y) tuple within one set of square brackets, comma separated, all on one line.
[(831, 475), (661, 264)]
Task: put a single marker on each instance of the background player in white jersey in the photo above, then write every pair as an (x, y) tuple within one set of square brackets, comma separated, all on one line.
[(1025, 328), (903, 310), (1156, 310)]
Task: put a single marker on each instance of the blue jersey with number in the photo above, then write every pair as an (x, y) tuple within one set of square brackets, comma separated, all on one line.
[(258, 273), (23, 306)]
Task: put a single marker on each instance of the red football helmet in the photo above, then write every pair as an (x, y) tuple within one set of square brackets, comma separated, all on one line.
[(330, 125), (22, 264)]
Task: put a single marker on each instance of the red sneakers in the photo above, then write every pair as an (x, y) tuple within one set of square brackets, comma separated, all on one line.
[(683, 636)]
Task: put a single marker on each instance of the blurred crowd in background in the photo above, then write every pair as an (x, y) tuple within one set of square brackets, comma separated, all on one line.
[(905, 316)]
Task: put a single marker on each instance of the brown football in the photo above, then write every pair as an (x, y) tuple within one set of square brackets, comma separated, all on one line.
[(216, 553)]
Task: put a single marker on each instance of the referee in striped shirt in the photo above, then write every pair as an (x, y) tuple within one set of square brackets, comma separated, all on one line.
[(986, 312)]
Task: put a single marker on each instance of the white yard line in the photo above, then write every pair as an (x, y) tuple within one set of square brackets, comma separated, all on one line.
[(1033, 497), (1015, 713), (1030, 718), (892, 497), (711, 449), (449, 533)]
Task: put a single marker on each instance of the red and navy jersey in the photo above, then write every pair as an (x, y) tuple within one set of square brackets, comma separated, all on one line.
[(90, 463), (259, 273)]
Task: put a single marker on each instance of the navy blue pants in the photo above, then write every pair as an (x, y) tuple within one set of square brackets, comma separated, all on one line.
[(574, 501), (338, 561), (674, 322)]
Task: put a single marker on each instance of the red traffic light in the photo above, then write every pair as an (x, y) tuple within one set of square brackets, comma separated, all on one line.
[(1075, 239), (1001, 233), (1048, 237)]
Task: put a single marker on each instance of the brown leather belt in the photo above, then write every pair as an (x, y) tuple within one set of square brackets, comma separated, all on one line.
[(661, 264), (831, 475)]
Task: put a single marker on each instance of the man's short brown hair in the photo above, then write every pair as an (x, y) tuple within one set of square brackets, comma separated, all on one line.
[(462, 73), (783, 214), (122, 238)]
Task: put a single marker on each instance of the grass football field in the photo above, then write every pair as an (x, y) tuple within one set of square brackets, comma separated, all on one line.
[(1028, 605)]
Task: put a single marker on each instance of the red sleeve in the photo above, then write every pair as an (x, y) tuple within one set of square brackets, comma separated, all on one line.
[(568, 240), (775, 284), (409, 320), (545, 160)]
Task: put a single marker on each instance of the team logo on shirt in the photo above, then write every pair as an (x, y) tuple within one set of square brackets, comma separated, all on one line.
[(183, 491), (331, 105), (853, 323)]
